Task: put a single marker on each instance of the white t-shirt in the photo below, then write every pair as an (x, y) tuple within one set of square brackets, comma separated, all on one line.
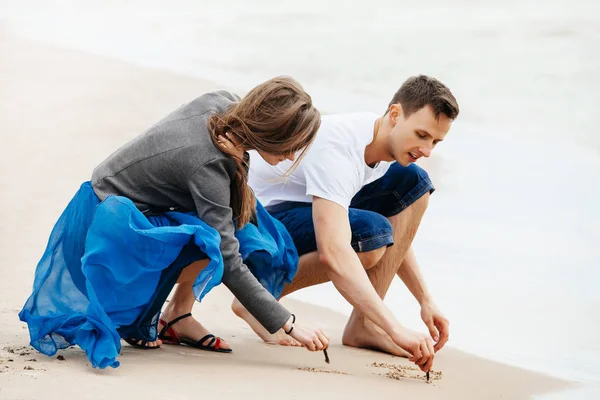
[(334, 167)]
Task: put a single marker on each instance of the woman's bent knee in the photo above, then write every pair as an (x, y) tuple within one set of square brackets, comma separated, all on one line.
[(190, 272)]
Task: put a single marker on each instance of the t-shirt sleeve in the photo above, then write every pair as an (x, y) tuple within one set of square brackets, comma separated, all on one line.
[(209, 187), (333, 174)]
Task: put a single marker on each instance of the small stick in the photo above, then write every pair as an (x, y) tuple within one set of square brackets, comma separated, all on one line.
[(427, 377), (326, 356)]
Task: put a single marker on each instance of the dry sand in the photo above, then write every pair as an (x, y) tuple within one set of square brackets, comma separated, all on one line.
[(61, 113)]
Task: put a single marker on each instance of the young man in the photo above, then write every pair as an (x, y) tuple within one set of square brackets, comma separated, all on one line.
[(348, 202)]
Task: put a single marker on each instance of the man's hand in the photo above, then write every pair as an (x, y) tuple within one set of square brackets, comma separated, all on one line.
[(437, 324), (419, 345)]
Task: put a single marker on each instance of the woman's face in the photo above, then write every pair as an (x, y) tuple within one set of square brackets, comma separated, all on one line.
[(275, 159)]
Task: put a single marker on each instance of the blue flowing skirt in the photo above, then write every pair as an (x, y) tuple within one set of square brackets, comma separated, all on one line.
[(108, 267)]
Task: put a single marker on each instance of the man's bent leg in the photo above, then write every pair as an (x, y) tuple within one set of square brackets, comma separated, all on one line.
[(401, 195), (360, 331), (371, 233), (310, 272)]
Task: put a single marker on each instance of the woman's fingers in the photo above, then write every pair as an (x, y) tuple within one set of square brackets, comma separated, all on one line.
[(324, 339), (223, 141)]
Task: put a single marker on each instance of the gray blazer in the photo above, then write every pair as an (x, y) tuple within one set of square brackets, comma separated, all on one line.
[(174, 165)]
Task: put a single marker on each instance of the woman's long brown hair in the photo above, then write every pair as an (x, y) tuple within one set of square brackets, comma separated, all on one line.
[(276, 117)]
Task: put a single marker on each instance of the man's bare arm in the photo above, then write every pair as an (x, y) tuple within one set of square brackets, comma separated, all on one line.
[(410, 273), (333, 235), (436, 322)]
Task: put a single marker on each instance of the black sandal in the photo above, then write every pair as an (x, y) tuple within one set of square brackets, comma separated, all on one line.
[(173, 338), (140, 344)]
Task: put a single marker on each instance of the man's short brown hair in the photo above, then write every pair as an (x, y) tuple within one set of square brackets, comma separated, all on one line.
[(422, 90)]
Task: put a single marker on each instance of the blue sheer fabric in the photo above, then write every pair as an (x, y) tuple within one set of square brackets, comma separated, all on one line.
[(107, 269)]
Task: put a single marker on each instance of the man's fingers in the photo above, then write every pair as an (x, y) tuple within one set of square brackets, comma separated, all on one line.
[(444, 335), (426, 348), (416, 354), (429, 365), (426, 353), (433, 330), (431, 349), (441, 343)]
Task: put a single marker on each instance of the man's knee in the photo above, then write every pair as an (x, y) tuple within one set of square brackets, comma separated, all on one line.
[(398, 189), (370, 258), (421, 203), (411, 216), (412, 185)]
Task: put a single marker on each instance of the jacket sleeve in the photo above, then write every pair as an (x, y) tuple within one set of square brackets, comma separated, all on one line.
[(210, 189)]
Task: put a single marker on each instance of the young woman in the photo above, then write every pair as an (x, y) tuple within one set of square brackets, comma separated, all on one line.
[(166, 208)]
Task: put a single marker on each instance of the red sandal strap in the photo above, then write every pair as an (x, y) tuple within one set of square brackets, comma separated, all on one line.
[(168, 328)]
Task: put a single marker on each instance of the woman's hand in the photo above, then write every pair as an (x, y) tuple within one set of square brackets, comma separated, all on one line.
[(312, 338), (230, 145)]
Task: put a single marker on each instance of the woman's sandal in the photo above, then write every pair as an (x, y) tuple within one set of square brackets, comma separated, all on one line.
[(140, 344), (173, 338)]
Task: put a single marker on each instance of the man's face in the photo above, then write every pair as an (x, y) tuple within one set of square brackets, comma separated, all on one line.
[(417, 135)]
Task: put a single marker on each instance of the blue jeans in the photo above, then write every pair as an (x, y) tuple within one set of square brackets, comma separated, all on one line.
[(368, 213)]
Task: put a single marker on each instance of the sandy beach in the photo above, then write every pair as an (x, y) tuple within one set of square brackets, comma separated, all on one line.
[(61, 113)]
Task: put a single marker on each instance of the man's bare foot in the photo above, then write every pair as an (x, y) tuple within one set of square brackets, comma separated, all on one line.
[(278, 338), (371, 337), (188, 328)]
